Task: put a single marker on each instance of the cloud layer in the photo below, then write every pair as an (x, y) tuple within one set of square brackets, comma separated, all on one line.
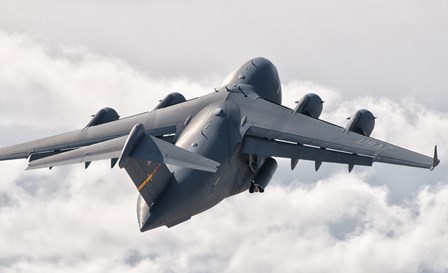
[(369, 47), (73, 220)]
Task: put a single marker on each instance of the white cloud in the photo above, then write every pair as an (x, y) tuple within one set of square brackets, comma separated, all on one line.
[(73, 220), (70, 83), (340, 224), (369, 47)]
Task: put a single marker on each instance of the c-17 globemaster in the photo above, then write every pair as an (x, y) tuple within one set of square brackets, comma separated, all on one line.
[(186, 156)]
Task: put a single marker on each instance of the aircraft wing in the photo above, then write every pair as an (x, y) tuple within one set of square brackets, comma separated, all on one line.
[(136, 145), (275, 130), (108, 140), (87, 136), (104, 150)]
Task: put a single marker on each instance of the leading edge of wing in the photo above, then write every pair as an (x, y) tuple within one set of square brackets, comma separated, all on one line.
[(268, 120), (137, 144)]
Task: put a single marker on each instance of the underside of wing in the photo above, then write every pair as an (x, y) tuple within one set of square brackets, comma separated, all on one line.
[(286, 133), (276, 148), (162, 122), (136, 145), (110, 149), (85, 137)]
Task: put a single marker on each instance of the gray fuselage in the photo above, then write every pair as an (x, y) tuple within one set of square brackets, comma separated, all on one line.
[(214, 132)]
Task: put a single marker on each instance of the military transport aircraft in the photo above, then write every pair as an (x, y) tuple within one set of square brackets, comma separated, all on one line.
[(186, 156)]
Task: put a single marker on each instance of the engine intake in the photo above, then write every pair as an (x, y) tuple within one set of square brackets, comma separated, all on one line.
[(362, 122), (104, 115), (171, 99), (310, 105)]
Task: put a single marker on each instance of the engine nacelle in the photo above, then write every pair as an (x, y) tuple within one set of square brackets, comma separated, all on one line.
[(171, 99), (104, 115), (265, 173), (362, 122), (310, 105)]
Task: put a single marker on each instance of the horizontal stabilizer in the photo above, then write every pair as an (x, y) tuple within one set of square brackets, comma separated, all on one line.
[(146, 147), (138, 145)]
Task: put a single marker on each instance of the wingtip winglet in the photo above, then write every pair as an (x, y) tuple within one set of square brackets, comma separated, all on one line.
[(436, 159)]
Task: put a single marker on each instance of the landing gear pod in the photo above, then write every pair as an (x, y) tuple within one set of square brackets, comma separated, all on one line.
[(264, 175), (362, 122)]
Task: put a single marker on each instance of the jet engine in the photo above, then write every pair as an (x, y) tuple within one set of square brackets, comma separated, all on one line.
[(264, 175), (171, 99), (104, 115), (310, 105), (362, 122)]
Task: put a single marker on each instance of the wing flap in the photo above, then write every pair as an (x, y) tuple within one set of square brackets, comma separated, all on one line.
[(265, 147), (272, 121), (137, 145), (100, 151), (157, 124)]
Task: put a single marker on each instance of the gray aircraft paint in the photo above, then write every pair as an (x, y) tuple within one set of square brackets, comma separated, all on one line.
[(186, 156)]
